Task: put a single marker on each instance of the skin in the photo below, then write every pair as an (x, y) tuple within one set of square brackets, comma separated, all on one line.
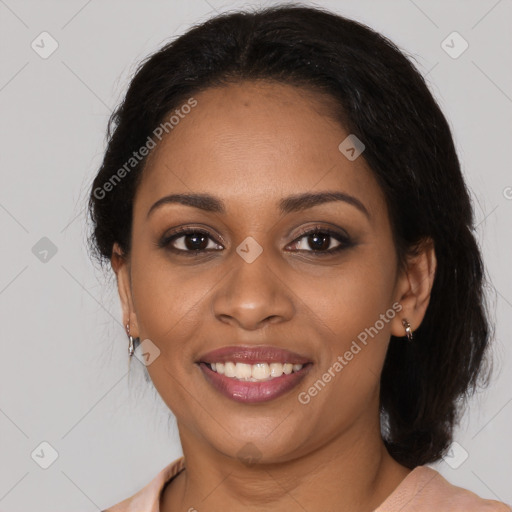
[(252, 144)]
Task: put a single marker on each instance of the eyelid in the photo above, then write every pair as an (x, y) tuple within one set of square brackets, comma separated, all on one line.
[(318, 228), (176, 233)]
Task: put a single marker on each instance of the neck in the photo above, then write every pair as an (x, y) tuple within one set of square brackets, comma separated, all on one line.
[(352, 472)]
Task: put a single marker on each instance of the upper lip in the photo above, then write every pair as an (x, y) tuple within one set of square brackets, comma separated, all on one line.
[(252, 355)]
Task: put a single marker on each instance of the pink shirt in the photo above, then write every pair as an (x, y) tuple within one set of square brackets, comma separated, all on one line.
[(422, 490)]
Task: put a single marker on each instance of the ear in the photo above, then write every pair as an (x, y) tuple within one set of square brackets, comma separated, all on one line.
[(414, 286), (121, 266)]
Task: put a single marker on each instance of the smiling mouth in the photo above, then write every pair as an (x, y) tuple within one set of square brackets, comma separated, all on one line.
[(261, 388), (258, 372), (253, 374)]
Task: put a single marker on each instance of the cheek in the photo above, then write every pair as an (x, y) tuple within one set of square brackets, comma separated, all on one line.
[(348, 298), (169, 303), (345, 307), (346, 310), (165, 294)]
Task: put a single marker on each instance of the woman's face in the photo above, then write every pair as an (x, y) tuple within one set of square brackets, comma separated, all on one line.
[(260, 282)]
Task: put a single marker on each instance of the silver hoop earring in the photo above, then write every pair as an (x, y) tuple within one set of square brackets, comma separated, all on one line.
[(408, 330), (131, 348)]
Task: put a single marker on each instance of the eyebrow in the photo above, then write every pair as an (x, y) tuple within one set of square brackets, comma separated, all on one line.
[(289, 204)]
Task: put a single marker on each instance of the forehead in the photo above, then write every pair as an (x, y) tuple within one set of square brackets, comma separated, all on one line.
[(254, 143)]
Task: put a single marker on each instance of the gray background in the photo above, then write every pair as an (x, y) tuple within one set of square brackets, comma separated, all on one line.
[(64, 367)]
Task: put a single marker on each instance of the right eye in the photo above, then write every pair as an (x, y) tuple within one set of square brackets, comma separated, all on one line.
[(188, 241)]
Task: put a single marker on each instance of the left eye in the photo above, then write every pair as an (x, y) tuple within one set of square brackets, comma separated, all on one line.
[(320, 241)]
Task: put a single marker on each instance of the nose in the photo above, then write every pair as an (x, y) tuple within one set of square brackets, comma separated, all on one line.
[(253, 294)]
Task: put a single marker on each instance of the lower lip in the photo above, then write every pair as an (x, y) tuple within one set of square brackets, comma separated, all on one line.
[(253, 392)]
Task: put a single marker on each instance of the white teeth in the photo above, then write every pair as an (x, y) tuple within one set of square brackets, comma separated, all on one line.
[(276, 369), (260, 371), (229, 369), (243, 371), (254, 372)]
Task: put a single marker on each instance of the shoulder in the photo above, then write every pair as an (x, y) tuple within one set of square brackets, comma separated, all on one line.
[(148, 497), (425, 489)]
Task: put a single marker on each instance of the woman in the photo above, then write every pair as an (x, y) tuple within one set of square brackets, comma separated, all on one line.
[(284, 210)]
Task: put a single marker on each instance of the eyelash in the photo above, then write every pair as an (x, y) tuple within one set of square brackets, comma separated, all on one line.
[(345, 241)]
